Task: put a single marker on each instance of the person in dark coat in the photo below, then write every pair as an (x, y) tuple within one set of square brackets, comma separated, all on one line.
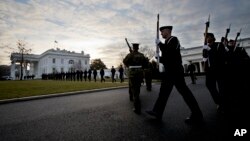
[(173, 76), (77, 75), (121, 73), (81, 74), (237, 85), (95, 74), (148, 75), (89, 74), (135, 61), (191, 70), (215, 76), (113, 74), (85, 74), (74, 75), (102, 73)]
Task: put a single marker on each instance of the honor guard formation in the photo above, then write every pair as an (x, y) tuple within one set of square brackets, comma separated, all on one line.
[(226, 66)]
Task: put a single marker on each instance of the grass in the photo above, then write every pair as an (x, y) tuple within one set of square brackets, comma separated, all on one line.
[(25, 88)]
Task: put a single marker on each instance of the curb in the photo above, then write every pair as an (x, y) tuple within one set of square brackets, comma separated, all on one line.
[(5, 101)]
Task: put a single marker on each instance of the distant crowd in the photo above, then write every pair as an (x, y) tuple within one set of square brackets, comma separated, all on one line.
[(86, 75), (78, 75)]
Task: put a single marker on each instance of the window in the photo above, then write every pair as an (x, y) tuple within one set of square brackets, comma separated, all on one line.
[(71, 61), (62, 70), (62, 60), (86, 62), (54, 60), (54, 70)]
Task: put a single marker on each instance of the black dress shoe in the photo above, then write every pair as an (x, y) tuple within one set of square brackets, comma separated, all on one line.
[(194, 120), (138, 112), (220, 109), (154, 114)]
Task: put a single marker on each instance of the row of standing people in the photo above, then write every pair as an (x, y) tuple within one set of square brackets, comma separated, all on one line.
[(121, 74), (80, 75), (216, 76)]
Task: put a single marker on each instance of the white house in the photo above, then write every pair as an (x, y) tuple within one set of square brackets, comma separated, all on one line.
[(51, 61)]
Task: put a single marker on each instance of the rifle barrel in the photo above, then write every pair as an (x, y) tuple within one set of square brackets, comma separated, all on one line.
[(206, 30), (157, 36), (236, 38), (128, 45)]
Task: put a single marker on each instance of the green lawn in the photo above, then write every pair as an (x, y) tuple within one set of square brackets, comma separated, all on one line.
[(17, 89)]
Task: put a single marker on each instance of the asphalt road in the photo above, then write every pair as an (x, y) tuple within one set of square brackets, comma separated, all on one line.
[(108, 116)]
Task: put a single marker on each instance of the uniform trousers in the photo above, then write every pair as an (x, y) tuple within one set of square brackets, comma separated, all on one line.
[(135, 91), (175, 79), (135, 86), (215, 82)]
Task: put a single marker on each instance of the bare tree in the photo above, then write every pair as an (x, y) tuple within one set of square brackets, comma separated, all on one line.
[(147, 51), (21, 49), (21, 45), (122, 56)]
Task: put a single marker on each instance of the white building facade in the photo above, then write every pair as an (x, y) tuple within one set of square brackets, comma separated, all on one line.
[(51, 61)]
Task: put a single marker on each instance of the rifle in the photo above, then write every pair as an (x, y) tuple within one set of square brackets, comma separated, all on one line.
[(157, 47), (227, 31), (236, 38), (224, 40), (206, 30), (130, 50), (205, 52)]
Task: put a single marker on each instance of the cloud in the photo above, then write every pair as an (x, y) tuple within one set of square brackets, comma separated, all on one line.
[(99, 26)]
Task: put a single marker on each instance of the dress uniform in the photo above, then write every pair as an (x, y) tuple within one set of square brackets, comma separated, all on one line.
[(191, 70), (216, 58), (173, 76), (237, 84), (148, 76), (135, 61)]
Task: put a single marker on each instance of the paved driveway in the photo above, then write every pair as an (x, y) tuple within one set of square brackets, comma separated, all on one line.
[(108, 116)]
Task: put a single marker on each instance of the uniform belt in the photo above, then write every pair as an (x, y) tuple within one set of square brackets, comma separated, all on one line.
[(135, 67)]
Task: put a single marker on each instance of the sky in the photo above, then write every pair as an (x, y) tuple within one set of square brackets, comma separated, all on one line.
[(99, 27)]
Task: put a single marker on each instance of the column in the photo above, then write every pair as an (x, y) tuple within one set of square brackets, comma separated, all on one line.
[(31, 68), (13, 70), (201, 67)]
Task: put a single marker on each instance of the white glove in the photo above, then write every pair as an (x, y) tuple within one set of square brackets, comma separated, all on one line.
[(206, 47), (204, 59), (227, 49), (157, 41)]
